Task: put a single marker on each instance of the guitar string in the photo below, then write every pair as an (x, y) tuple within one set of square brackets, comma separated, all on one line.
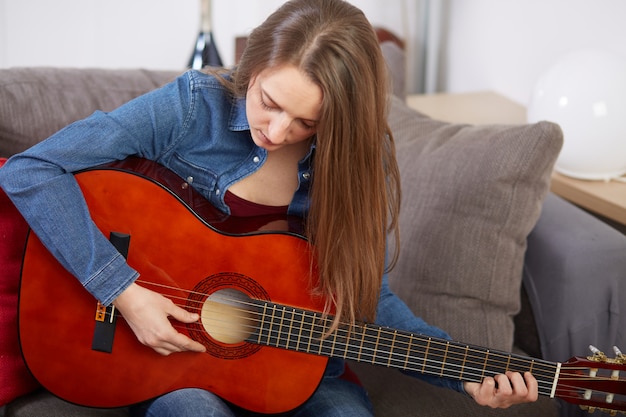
[(383, 330), (414, 365), (545, 387), (246, 317), (429, 364), (478, 375), (535, 362), (385, 341)]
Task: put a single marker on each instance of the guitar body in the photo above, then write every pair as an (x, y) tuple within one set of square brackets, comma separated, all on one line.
[(187, 259)]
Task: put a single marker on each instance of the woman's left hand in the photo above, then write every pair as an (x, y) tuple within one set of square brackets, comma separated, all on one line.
[(504, 390)]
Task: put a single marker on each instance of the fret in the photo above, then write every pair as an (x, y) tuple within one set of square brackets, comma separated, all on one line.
[(517, 365), (464, 362), (346, 341), (329, 345), (368, 344), (292, 337), (262, 324), (312, 339), (270, 331), (363, 332), (500, 363), (281, 320), (294, 326), (426, 355), (294, 322), (332, 346), (393, 343), (485, 364), (374, 353), (323, 332), (289, 321), (308, 346), (408, 352), (456, 359), (400, 350), (300, 330), (443, 361)]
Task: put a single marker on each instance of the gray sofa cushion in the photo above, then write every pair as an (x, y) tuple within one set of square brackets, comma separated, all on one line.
[(61, 96), (577, 291), (471, 196)]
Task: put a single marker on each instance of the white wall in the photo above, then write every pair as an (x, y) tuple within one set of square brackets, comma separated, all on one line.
[(505, 45), (501, 45), (91, 33), (142, 33)]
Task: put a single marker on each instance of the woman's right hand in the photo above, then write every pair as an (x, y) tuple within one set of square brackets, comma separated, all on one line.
[(148, 315)]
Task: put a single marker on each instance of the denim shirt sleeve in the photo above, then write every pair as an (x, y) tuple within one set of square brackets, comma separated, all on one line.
[(40, 182), (393, 312)]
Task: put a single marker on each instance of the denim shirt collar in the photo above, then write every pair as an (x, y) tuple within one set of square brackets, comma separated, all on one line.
[(238, 120)]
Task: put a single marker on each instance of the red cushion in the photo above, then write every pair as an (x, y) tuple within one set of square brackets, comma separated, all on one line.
[(15, 380)]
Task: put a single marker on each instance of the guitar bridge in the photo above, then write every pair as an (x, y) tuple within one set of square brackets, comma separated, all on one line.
[(106, 317), (101, 312), (105, 328)]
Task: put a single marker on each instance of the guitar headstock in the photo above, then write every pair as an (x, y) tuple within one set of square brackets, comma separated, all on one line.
[(595, 382)]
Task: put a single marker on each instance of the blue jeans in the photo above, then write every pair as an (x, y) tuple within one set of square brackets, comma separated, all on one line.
[(334, 397)]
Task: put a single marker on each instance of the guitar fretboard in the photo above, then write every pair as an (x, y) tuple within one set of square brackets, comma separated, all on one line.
[(301, 330)]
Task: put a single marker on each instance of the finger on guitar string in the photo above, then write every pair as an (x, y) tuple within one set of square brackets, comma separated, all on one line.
[(148, 315), (504, 390), (532, 386)]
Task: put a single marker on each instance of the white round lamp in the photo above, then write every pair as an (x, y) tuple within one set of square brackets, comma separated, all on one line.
[(585, 93)]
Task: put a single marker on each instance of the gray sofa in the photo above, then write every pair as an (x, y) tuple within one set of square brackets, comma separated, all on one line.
[(487, 252)]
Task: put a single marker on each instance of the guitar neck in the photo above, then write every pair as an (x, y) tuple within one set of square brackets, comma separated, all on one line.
[(301, 330)]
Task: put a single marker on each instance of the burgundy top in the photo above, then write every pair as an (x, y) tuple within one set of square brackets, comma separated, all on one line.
[(244, 208)]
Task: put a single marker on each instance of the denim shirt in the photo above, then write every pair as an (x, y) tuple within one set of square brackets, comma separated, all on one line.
[(194, 127)]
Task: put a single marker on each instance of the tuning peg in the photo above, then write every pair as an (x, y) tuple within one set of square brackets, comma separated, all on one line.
[(598, 355), (592, 410), (619, 356)]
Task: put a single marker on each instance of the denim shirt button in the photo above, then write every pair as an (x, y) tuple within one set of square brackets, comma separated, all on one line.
[(306, 176), (256, 159), (217, 192)]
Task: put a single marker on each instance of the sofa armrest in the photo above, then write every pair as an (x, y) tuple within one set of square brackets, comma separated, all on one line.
[(575, 277)]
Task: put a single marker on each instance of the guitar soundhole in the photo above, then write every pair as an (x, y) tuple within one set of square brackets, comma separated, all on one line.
[(227, 317)]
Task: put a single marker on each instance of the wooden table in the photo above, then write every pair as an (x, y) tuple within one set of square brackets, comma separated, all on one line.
[(607, 199)]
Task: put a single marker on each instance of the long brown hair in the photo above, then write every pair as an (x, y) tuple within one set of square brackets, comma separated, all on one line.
[(355, 193)]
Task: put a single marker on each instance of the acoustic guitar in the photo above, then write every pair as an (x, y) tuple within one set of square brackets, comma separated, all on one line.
[(263, 332)]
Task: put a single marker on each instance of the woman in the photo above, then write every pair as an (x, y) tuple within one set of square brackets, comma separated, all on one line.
[(299, 127)]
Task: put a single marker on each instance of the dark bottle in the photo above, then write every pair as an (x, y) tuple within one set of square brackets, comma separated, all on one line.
[(205, 52)]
